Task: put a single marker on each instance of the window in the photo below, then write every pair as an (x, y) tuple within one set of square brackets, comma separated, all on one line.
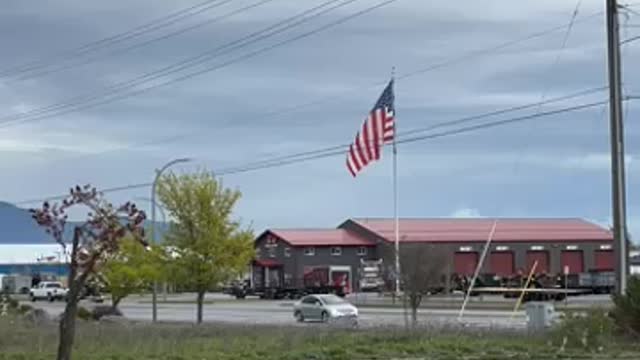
[(502, 248), (466, 248), (257, 253), (336, 251), (271, 242), (272, 252), (605, 247), (362, 250), (537, 248), (572, 247), (309, 300), (287, 252), (310, 251)]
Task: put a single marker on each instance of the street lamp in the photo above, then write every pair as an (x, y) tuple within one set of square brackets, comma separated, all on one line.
[(153, 224)]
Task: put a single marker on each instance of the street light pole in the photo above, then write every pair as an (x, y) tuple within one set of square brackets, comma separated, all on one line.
[(153, 226)]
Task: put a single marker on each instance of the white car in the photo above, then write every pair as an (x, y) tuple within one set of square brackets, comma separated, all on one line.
[(324, 308), (48, 290)]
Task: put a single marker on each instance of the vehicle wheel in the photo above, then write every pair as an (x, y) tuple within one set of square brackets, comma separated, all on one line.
[(33, 298), (324, 317), (51, 298), (299, 317)]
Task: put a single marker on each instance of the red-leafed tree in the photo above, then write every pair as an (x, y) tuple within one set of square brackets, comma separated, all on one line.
[(92, 243)]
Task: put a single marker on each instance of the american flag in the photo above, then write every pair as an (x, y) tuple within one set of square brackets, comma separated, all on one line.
[(378, 129)]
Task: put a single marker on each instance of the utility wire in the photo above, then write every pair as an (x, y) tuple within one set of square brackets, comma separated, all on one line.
[(450, 123), (148, 42), (545, 89), (64, 107), (40, 113), (153, 25), (341, 150)]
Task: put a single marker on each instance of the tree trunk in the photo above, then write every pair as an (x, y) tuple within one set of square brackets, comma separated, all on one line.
[(68, 326), (415, 300), (200, 303), (414, 316), (115, 301), (68, 321)]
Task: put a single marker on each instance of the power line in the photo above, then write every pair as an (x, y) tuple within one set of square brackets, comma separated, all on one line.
[(24, 117), (148, 41), (153, 25), (341, 150), (185, 64), (460, 121)]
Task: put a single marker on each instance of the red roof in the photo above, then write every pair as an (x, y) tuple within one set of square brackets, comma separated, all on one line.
[(475, 230), (321, 237)]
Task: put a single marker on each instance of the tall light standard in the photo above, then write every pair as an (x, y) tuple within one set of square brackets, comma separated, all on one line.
[(153, 224)]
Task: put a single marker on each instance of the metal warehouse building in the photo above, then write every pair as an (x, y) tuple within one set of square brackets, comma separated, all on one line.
[(285, 256)]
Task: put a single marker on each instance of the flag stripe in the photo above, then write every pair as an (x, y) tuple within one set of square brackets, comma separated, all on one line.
[(353, 159), (364, 160), (377, 134)]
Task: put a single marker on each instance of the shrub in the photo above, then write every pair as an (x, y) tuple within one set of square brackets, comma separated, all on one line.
[(83, 313), (24, 308), (627, 308), (592, 330), (101, 311)]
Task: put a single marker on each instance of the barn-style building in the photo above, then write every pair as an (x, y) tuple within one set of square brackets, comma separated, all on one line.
[(285, 256)]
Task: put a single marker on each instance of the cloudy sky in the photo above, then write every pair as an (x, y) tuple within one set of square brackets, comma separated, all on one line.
[(314, 93)]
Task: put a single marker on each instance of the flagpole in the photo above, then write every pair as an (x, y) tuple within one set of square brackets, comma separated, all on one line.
[(395, 195)]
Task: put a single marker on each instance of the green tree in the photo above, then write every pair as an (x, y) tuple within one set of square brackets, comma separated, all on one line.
[(131, 270), (208, 246)]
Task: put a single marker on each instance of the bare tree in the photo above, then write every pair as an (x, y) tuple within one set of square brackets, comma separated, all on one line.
[(423, 272), (94, 240)]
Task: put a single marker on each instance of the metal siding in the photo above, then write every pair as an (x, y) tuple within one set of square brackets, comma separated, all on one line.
[(603, 260), (574, 259), (501, 263), (465, 263), (542, 257)]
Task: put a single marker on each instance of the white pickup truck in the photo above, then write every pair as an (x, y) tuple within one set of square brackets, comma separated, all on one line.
[(49, 290)]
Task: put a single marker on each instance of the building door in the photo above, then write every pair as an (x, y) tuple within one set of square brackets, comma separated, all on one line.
[(465, 263), (573, 259), (604, 260), (542, 257), (501, 263), (341, 277)]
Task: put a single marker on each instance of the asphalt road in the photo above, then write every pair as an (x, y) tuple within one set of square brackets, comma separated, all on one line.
[(281, 313)]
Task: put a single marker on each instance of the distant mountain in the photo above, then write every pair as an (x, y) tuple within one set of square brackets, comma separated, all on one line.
[(17, 227)]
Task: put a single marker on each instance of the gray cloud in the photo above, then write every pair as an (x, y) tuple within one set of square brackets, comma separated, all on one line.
[(554, 166)]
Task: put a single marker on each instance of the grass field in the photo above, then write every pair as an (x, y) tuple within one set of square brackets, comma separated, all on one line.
[(24, 341)]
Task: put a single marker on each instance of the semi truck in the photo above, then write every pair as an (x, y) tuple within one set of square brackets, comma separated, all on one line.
[(269, 282), (371, 275)]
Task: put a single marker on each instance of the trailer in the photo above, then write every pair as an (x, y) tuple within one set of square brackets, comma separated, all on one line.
[(16, 284), (267, 281), (545, 287)]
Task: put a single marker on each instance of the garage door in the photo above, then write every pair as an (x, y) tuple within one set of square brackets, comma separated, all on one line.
[(465, 262), (572, 259), (604, 260), (542, 257), (501, 263)]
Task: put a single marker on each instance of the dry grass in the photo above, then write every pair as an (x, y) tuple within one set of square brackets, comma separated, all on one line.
[(21, 340)]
